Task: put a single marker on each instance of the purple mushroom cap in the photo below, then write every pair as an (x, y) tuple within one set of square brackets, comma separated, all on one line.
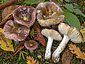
[(15, 31), (31, 45), (25, 15)]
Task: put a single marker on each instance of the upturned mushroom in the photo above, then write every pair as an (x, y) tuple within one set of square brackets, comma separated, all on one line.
[(69, 33), (31, 45), (25, 15), (49, 14), (15, 31), (51, 34)]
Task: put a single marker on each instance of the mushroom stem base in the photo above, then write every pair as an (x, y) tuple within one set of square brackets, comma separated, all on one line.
[(17, 42), (31, 51), (56, 54)]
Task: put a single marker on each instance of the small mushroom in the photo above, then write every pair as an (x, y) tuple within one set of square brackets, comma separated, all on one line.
[(51, 34), (39, 55), (31, 45), (70, 33), (15, 31), (25, 15), (49, 14)]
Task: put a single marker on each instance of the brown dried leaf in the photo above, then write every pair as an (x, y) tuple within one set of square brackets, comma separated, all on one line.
[(76, 50), (19, 47), (18, 50), (31, 60), (67, 57), (8, 11), (38, 36)]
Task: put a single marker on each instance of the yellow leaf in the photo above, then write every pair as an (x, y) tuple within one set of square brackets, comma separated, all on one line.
[(76, 50), (31, 60), (5, 43), (82, 30)]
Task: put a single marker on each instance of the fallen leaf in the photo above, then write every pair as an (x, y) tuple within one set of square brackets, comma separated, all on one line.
[(33, 1), (82, 30), (8, 11), (19, 47), (30, 60), (58, 2), (53, 1), (76, 50), (71, 8), (18, 50), (72, 20), (68, 0), (38, 36), (5, 43), (67, 57)]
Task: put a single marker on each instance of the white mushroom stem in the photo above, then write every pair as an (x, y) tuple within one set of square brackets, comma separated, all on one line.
[(48, 48), (31, 51), (17, 42), (56, 54)]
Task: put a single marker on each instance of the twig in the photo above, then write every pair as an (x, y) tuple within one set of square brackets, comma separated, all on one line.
[(20, 44), (9, 2), (19, 49), (3, 22)]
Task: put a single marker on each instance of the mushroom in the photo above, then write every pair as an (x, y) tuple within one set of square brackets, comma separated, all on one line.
[(25, 15), (31, 45), (39, 55), (15, 31), (51, 34), (70, 33), (49, 14)]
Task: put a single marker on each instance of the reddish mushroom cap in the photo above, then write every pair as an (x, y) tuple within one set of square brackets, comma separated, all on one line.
[(25, 15), (15, 31), (31, 45)]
